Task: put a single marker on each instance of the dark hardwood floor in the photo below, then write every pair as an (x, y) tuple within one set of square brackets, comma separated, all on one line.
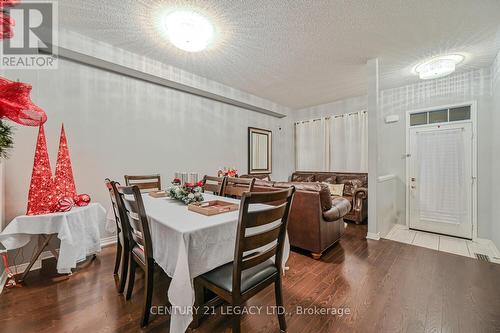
[(387, 286)]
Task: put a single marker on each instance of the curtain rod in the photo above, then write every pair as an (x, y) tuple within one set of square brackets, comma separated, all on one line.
[(92, 61), (329, 117)]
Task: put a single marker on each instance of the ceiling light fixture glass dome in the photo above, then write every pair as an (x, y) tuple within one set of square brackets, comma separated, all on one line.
[(189, 30), (438, 67)]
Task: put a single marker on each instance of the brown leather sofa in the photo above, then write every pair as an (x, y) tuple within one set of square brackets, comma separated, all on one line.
[(316, 219), (355, 189)]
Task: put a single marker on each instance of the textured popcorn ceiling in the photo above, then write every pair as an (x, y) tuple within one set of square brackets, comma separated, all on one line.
[(301, 53)]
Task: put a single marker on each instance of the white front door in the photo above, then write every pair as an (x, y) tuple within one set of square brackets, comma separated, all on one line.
[(440, 179)]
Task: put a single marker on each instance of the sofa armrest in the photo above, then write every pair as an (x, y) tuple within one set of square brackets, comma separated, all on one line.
[(359, 195), (340, 207)]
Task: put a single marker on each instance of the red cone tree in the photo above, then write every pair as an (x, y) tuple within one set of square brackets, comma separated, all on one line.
[(41, 199), (64, 182)]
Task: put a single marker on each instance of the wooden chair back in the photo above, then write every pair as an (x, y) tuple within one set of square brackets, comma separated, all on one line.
[(120, 217), (216, 185), (235, 187), (146, 183), (137, 219), (266, 241)]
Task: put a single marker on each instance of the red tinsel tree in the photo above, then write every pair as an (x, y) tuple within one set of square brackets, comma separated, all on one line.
[(64, 181), (41, 199)]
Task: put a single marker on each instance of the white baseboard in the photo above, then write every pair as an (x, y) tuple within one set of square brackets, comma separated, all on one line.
[(44, 255), (108, 241), (490, 244), (373, 236)]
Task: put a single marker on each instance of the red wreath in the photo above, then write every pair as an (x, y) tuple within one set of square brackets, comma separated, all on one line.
[(16, 104)]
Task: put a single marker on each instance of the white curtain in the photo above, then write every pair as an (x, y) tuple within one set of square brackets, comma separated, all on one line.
[(311, 145), (441, 168), (349, 143), (337, 143)]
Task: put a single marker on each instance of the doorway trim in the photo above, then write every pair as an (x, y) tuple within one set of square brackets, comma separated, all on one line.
[(473, 108)]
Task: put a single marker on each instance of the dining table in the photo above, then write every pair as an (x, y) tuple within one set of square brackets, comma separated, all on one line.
[(187, 244)]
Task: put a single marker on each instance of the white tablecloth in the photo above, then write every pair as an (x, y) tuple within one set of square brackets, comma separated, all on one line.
[(187, 244), (77, 229)]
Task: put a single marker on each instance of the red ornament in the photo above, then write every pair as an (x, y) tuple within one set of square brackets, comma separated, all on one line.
[(15, 104), (82, 200), (64, 181), (41, 199), (65, 204)]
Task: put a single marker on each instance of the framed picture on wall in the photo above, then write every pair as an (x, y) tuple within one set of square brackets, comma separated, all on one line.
[(259, 151)]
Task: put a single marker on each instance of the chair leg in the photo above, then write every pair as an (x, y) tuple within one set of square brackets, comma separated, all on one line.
[(279, 303), (199, 302), (236, 323), (118, 257), (131, 276), (124, 270), (148, 294)]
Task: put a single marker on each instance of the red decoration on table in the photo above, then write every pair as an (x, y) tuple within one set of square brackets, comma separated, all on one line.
[(64, 205), (41, 199), (15, 104), (64, 182), (82, 200)]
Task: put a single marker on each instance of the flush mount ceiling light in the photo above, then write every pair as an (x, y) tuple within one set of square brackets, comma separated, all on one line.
[(188, 30), (438, 67)]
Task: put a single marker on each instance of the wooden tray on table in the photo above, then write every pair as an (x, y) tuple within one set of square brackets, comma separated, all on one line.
[(213, 207), (158, 194)]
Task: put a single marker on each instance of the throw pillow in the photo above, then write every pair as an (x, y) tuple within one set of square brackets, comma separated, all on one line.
[(336, 189)]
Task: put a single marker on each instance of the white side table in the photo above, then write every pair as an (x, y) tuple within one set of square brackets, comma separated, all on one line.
[(77, 229)]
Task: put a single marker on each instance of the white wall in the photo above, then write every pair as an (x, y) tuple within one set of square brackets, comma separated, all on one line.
[(495, 154), (348, 105), (463, 87), (117, 125), (472, 85)]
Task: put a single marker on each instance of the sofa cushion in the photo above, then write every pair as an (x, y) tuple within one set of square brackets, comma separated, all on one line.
[(350, 185), (335, 189), (326, 178), (263, 183), (348, 198), (324, 191), (340, 207), (303, 177)]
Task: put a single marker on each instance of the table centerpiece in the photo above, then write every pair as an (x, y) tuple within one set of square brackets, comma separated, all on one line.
[(187, 192)]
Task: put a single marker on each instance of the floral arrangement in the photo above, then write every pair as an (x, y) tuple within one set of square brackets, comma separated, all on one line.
[(187, 193), (228, 171)]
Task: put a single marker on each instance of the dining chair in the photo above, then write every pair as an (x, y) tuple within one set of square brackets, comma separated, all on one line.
[(146, 183), (214, 184), (141, 249), (122, 241), (260, 237), (235, 187)]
